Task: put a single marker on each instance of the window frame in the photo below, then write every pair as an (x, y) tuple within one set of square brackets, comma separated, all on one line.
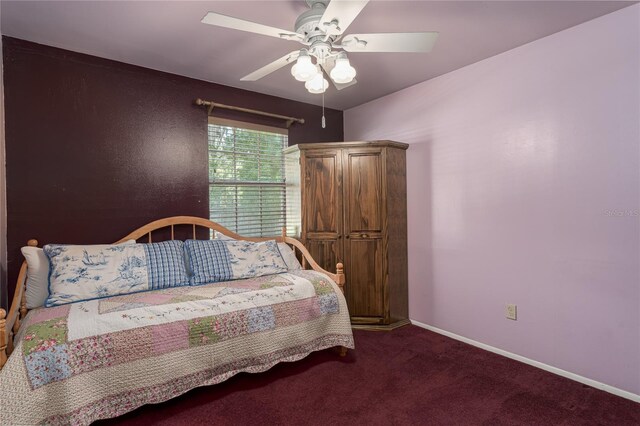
[(281, 216)]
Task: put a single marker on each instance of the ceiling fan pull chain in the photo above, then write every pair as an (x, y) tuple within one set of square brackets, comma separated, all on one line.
[(324, 123)]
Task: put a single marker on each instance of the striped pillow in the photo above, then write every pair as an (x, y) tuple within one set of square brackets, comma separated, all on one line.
[(166, 264), (212, 261)]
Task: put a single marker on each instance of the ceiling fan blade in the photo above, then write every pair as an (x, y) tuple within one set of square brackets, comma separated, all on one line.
[(219, 20), (328, 65), (342, 11), (390, 42), (273, 66)]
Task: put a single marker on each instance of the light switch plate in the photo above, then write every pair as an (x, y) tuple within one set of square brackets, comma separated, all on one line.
[(511, 311)]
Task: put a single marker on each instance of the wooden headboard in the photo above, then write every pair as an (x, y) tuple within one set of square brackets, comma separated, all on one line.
[(171, 223), (10, 323)]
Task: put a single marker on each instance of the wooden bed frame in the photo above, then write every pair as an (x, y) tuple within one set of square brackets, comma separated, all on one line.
[(10, 323)]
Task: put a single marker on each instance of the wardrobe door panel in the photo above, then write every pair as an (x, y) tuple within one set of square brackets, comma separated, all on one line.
[(322, 199), (364, 286), (322, 206), (363, 190), (327, 252)]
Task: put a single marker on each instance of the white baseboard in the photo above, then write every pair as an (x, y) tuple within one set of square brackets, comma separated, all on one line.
[(541, 365)]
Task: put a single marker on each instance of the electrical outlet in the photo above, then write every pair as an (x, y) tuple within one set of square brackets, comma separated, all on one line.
[(511, 311)]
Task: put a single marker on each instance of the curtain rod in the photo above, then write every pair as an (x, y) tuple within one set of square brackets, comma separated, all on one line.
[(212, 105)]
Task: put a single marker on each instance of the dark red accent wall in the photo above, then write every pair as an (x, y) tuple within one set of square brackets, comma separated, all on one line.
[(96, 148)]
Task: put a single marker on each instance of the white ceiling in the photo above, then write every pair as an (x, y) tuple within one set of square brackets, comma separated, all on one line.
[(168, 36)]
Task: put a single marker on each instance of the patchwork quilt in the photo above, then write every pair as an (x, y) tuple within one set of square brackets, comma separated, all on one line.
[(77, 363)]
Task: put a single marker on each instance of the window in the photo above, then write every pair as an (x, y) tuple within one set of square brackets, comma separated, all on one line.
[(246, 177)]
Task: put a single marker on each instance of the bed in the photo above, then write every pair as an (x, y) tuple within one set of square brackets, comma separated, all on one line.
[(78, 362)]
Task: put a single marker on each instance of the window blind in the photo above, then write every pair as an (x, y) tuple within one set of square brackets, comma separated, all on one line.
[(246, 177)]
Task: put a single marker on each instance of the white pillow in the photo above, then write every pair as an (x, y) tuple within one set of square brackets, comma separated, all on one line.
[(287, 253), (37, 289), (289, 256), (220, 236), (37, 276)]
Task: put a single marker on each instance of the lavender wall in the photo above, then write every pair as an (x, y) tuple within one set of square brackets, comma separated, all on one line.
[(524, 187)]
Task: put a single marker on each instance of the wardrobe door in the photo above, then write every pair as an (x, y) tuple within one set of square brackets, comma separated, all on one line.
[(365, 221), (322, 206)]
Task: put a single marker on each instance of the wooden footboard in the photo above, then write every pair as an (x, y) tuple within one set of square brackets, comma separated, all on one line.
[(10, 322)]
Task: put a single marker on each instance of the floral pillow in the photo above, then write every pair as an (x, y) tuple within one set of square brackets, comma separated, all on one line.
[(85, 272), (212, 261), (37, 288), (287, 253)]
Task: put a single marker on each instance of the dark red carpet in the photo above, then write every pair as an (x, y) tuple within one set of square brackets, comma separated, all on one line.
[(408, 376)]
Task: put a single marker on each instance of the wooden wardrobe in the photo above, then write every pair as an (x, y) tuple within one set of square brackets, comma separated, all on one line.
[(347, 202)]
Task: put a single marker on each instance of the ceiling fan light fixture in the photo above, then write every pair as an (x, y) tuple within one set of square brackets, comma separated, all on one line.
[(304, 69), (317, 84), (343, 72)]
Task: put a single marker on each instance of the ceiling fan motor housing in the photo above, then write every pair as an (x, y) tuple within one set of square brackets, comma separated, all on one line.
[(307, 22)]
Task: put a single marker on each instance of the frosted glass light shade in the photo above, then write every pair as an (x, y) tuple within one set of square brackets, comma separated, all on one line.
[(343, 72), (303, 69), (318, 84)]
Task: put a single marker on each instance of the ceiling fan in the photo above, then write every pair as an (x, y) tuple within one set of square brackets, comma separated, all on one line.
[(320, 29)]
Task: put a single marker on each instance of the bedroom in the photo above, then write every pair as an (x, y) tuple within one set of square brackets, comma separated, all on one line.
[(522, 188)]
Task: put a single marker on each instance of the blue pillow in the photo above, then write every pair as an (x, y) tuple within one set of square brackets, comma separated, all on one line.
[(166, 264), (212, 261)]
